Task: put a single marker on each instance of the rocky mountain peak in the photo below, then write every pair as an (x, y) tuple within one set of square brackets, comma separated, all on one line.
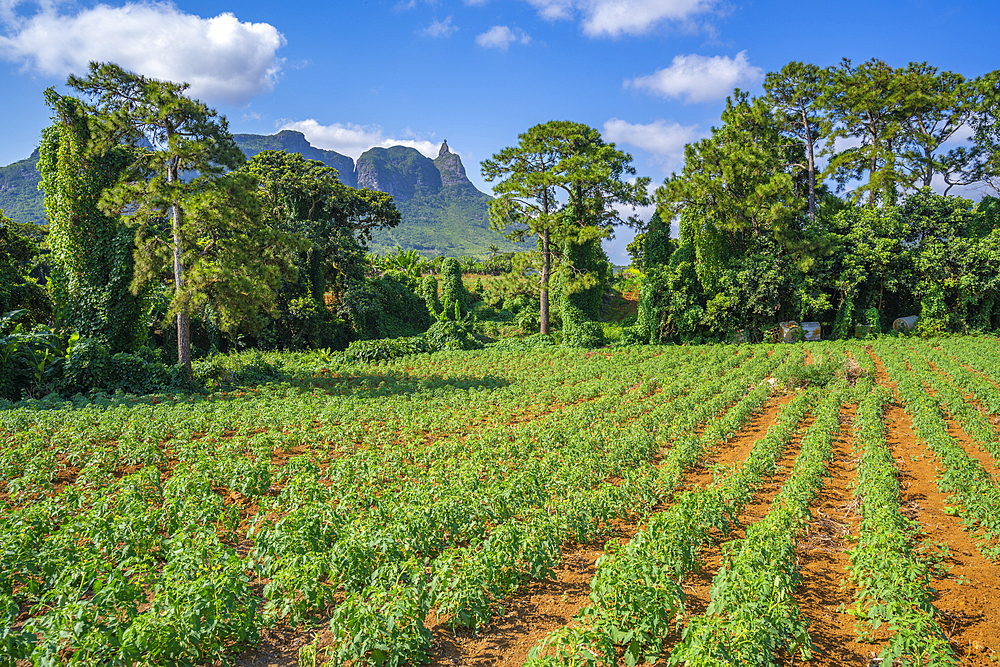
[(451, 168)]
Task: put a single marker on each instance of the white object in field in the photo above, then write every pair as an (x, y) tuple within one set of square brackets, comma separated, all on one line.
[(905, 324), (811, 330), (788, 330)]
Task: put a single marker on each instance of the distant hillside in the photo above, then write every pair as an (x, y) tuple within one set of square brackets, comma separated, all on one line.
[(295, 142), (20, 197), (443, 212)]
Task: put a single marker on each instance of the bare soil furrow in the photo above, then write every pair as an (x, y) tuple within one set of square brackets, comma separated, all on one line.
[(823, 559), (737, 448), (698, 584), (968, 585)]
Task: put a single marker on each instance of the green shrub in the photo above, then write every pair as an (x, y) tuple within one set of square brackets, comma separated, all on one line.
[(134, 375), (533, 342), (453, 292), (369, 351), (450, 335), (429, 293), (384, 307), (86, 366), (801, 374), (633, 335), (443, 335), (585, 334), (519, 303), (579, 330)]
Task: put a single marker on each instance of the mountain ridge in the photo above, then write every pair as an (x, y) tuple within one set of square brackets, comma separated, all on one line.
[(443, 213)]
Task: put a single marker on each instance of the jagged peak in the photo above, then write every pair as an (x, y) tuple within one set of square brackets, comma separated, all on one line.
[(444, 148)]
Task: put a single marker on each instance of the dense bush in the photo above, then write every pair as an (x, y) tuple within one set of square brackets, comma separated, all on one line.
[(304, 324), (443, 335), (17, 289), (534, 341), (384, 307), (455, 299), (579, 330), (451, 335), (31, 360), (369, 351), (86, 366), (429, 293), (90, 366)]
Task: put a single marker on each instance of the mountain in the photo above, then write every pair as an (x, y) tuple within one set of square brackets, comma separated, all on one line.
[(295, 142), (20, 198), (442, 211)]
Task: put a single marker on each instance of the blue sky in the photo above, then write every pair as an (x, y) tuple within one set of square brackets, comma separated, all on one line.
[(651, 75)]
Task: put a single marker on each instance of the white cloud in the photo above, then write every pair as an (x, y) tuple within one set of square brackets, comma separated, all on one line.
[(700, 78), (659, 137), (353, 140), (501, 37), (224, 59), (439, 29), (612, 18)]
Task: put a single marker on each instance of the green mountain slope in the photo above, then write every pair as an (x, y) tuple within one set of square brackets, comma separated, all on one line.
[(295, 142), (20, 197), (453, 221)]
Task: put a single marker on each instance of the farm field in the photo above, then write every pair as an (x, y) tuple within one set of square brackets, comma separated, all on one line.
[(753, 504)]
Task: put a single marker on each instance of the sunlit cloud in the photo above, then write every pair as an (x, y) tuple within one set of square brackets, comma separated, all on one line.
[(224, 59), (700, 78)]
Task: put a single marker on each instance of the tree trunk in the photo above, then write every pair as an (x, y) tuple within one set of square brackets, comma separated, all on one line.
[(183, 319), (929, 170), (812, 166), (873, 161), (543, 314)]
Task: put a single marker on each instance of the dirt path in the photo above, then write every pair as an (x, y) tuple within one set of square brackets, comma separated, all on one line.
[(968, 594), (698, 584), (737, 448), (823, 559)]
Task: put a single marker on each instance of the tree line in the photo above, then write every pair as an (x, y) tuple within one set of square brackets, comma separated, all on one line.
[(764, 236), (812, 201)]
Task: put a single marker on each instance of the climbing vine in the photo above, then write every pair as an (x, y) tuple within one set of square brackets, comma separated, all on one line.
[(92, 252)]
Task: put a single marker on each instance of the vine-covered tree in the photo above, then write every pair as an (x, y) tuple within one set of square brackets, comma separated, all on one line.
[(92, 251), (555, 165), (197, 223)]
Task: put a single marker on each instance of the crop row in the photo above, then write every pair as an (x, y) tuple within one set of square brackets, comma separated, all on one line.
[(893, 584), (468, 583), (753, 614), (970, 487), (142, 556), (977, 353), (636, 595), (954, 401)]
